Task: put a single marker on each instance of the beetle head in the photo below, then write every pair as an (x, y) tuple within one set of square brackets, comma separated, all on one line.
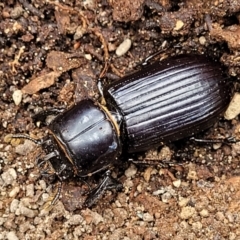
[(59, 164)]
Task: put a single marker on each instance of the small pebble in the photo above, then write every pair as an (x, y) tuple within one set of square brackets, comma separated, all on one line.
[(183, 202), (187, 212), (17, 97), (147, 174), (177, 183), (220, 216), (14, 191), (75, 219), (204, 213), (202, 40), (232, 236), (9, 176), (96, 218), (197, 226), (43, 184), (192, 175), (179, 25), (123, 47), (139, 188), (25, 148), (217, 146), (166, 197), (88, 57), (233, 108), (147, 217), (2, 221), (27, 212), (131, 171), (14, 205), (16, 12), (11, 236), (30, 190)]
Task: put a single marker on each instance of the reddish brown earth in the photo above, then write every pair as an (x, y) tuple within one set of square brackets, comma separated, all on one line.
[(51, 56)]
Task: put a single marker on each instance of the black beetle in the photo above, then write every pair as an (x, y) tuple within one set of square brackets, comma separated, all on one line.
[(163, 102)]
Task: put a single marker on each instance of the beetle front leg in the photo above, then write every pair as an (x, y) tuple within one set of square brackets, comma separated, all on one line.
[(42, 115), (107, 183)]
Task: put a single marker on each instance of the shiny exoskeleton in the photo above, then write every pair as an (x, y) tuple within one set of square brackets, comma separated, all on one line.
[(163, 102)]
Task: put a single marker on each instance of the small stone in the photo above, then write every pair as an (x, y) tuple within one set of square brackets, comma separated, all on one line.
[(147, 217), (14, 205), (24, 227), (179, 25), (139, 188), (27, 212), (14, 191), (177, 183), (233, 109), (118, 204), (30, 190), (147, 174), (183, 202), (77, 232), (187, 212), (75, 219), (166, 197), (230, 217), (131, 171), (220, 216), (184, 225), (123, 47), (232, 236), (45, 197), (25, 148), (88, 57), (217, 146), (202, 40), (197, 226), (11, 236), (165, 153), (96, 218), (204, 213), (90, 4), (9, 176), (43, 184), (16, 12), (17, 97), (192, 175)]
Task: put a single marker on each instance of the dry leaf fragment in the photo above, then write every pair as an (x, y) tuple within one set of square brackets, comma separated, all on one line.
[(41, 82), (62, 62)]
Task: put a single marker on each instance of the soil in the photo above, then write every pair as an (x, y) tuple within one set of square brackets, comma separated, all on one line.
[(52, 54)]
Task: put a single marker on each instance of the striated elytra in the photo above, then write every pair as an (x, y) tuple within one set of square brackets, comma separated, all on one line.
[(163, 102)]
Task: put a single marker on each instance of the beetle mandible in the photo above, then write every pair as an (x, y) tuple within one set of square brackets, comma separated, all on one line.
[(163, 102)]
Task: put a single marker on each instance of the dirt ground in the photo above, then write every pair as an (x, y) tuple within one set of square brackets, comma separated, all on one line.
[(52, 53)]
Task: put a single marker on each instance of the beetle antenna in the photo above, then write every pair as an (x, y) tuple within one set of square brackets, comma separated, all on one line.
[(36, 141)]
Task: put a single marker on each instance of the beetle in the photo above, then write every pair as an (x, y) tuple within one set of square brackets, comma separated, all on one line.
[(165, 101)]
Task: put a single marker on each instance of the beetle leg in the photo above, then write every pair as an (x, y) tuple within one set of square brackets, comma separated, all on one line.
[(40, 162), (47, 173), (107, 183), (56, 197), (219, 140), (42, 115), (146, 61), (155, 162), (53, 199)]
